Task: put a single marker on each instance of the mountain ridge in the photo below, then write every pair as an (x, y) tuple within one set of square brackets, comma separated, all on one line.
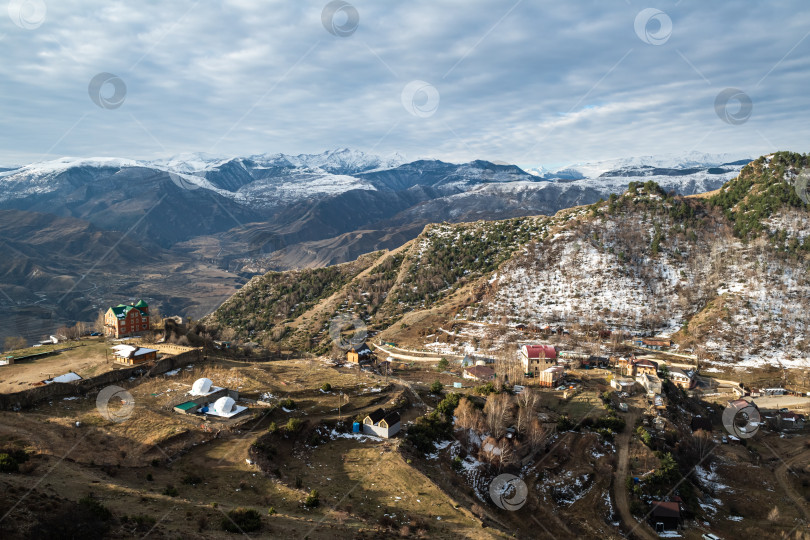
[(645, 261)]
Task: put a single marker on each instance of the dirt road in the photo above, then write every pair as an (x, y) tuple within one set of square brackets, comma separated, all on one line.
[(638, 530), (782, 477)]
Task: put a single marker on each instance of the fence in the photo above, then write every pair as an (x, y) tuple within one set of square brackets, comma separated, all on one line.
[(28, 398)]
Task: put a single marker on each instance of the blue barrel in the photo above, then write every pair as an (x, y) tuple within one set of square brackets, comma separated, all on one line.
[(356, 427)]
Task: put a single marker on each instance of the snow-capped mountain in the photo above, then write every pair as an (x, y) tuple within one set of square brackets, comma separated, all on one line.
[(297, 200), (638, 164)]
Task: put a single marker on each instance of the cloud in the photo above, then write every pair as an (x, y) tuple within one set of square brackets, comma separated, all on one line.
[(525, 82)]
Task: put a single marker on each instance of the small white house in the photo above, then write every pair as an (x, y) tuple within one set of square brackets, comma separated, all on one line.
[(382, 424)]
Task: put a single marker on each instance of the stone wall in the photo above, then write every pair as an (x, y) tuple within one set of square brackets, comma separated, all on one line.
[(32, 396)]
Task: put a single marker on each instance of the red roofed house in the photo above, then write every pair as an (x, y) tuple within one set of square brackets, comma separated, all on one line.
[(537, 358)]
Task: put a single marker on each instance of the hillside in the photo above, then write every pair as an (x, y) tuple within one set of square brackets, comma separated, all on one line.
[(726, 273)]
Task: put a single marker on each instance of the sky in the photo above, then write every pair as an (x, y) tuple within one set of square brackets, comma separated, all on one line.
[(527, 82)]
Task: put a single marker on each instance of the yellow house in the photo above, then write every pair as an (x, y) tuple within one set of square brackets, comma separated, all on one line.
[(358, 354)]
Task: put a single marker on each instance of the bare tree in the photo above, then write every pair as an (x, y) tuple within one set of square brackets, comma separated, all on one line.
[(700, 356), (536, 435), (80, 329), (155, 318), (527, 402), (498, 410), (15, 342), (703, 444), (99, 325), (507, 454), (468, 418)]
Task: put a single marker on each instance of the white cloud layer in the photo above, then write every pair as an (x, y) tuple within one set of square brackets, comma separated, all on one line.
[(531, 82)]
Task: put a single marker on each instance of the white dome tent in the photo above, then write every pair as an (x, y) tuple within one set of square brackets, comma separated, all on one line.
[(224, 405), (201, 387)]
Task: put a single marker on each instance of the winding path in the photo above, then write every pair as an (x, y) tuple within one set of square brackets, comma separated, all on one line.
[(637, 529), (781, 474)]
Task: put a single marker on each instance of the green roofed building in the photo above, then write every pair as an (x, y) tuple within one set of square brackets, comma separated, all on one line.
[(127, 320)]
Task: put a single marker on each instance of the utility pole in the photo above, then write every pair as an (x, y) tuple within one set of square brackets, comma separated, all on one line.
[(340, 402)]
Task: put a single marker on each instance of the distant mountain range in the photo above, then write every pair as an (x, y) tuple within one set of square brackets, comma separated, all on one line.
[(248, 215)]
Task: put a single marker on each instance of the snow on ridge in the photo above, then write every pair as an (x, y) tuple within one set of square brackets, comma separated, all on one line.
[(63, 163), (667, 161)]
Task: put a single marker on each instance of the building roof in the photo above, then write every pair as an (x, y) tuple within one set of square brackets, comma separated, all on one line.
[(643, 362), (480, 372), (376, 416), (67, 377), (131, 351), (141, 303), (186, 406), (533, 352), (666, 509), (678, 372), (392, 418), (121, 310)]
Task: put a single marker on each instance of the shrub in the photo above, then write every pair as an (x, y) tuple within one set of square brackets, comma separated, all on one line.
[(294, 425), (149, 477), (312, 499), (192, 479), (271, 511), (448, 405), (272, 428), (613, 423), (287, 403), (326, 387), (436, 387), (456, 463), (564, 423), (644, 435), (171, 491), (8, 464), (442, 365), (241, 520), (95, 508), (427, 430), (485, 389)]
